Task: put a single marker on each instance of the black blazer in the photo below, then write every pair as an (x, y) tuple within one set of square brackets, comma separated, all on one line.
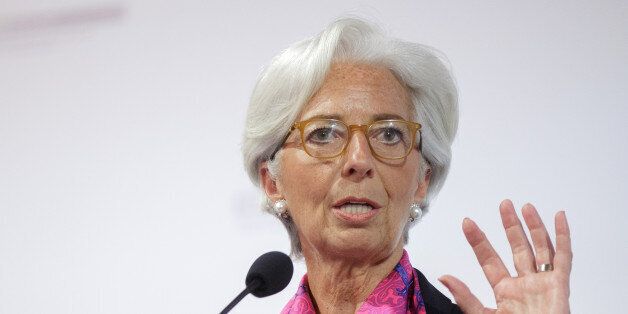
[(435, 302)]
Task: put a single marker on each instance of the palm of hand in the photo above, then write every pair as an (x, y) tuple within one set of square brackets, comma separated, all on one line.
[(531, 291)]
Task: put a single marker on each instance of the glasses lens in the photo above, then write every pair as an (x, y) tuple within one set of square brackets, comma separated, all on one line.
[(324, 138), (390, 139)]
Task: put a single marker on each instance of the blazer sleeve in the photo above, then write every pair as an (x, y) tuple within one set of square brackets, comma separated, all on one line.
[(435, 301)]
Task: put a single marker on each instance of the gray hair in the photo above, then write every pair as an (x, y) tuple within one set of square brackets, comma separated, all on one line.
[(294, 75)]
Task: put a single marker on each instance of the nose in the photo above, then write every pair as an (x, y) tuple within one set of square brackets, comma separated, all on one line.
[(359, 161)]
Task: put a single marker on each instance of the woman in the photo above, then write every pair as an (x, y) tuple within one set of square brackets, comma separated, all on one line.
[(349, 134)]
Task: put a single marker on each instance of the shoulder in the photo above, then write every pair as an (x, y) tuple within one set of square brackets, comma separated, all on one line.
[(435, 301)]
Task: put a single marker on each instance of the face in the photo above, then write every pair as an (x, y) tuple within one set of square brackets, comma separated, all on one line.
[(354, 204)]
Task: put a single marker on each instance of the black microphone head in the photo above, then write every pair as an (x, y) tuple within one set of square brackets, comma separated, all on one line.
[(273, 271)]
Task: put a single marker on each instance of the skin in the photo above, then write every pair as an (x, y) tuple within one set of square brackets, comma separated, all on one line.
[(530, 291), (346, 261)]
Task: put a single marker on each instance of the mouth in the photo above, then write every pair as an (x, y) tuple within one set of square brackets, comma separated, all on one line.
[(356, 210)]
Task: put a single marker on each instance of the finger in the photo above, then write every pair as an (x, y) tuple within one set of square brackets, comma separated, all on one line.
[(521, 250), (493, 267), (467, 302), (540, 238), (564, 255)]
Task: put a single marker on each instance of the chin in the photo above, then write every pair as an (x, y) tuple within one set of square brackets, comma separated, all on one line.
[(359, 243)]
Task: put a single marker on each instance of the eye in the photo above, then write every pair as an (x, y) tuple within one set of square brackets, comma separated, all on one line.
[(389, 135), (322, 135)]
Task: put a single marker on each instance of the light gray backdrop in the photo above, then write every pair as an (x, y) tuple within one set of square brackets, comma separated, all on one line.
[(121, 184)]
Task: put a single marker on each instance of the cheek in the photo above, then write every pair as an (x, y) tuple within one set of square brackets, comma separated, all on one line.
[(304, 181), (401, 183)]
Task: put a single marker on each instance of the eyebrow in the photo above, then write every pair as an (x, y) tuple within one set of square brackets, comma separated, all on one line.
[(377, 117)]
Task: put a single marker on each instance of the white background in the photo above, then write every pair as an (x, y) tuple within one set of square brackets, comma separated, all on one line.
[(121, 183)]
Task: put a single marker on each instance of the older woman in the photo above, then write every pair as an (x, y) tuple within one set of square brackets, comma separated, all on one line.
[(348, 134)]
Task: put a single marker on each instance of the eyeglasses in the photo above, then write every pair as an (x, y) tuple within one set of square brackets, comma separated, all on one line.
[(328, 138)]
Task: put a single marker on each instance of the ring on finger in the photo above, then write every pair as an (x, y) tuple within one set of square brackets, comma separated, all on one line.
[(545, 267)]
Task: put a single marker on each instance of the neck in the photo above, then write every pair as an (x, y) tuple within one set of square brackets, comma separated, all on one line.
[(340, 284)]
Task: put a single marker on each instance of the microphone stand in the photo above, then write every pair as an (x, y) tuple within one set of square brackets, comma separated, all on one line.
[(255, 283)]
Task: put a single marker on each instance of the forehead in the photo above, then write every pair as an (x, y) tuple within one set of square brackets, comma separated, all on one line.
[(358, 93)]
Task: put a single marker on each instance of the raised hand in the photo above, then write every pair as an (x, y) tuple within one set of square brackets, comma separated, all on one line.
[(536, 289)]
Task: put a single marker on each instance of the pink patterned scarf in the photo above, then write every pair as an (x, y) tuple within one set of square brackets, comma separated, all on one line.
[(399, 292)]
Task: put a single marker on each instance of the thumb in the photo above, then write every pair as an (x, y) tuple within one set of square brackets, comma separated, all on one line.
[(467, 302)]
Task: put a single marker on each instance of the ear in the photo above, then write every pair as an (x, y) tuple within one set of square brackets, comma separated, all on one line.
[(421, 191), (268, 184)]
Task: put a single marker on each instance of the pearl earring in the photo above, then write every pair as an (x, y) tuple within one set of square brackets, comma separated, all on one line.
[(281, 209), (415, 212)]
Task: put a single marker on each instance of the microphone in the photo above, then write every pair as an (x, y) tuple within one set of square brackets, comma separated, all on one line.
[(269, 274)]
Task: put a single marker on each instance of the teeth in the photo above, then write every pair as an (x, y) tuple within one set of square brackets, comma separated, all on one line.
[(355, 208)]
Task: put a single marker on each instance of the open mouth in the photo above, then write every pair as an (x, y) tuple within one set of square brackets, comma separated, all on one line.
[(355, 208)]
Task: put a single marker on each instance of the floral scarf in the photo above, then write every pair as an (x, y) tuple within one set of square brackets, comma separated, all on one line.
[(399, 292)]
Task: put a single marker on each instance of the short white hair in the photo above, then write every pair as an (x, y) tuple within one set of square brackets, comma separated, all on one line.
[(293, 76)]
